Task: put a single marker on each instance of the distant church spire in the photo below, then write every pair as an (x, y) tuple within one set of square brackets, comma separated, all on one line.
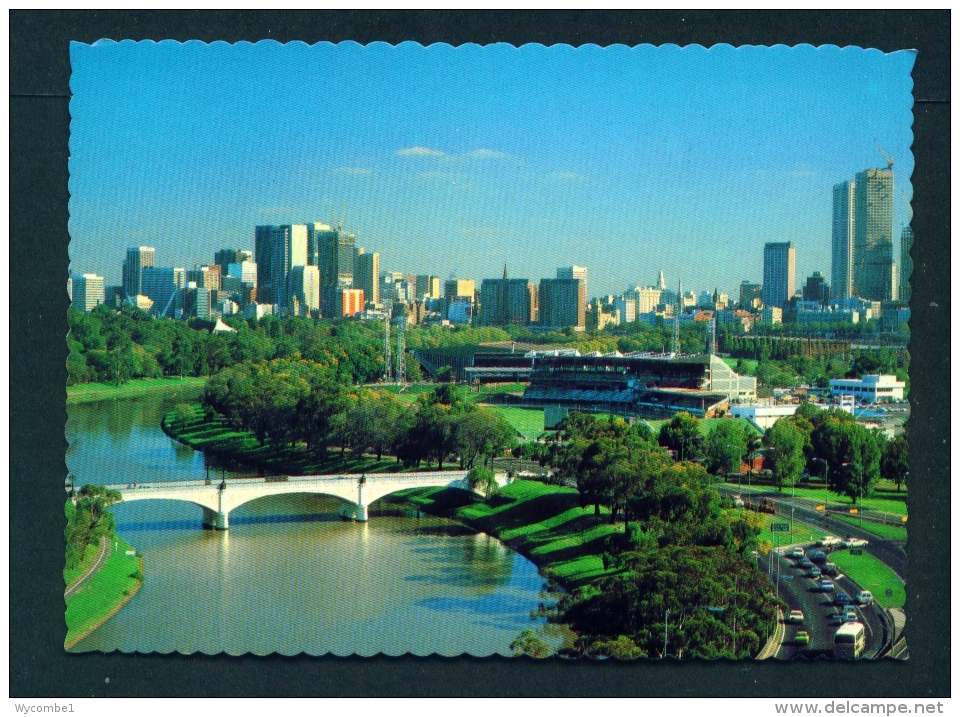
[(504, 271)]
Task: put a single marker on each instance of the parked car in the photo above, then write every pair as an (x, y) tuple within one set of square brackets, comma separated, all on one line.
[(841, 598), (802, 637), (865, 597), (818, 556), (795, 616), (825, 584), (851, 542), (829, 568), (813, 572)]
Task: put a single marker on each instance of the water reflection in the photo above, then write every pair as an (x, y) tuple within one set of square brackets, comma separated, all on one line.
[(290, 576)]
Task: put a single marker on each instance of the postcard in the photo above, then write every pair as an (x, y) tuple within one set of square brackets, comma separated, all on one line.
[(537, 351)]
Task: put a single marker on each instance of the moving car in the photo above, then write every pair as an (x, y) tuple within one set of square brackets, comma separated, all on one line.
[(864, 597), (814, 572), (795, 552), (849, 641), (795, 616), (818, 556), (837, 618), (850, 614), (804, 562), (825, 584), (802, 637), (829, 541), (851, 542), (841, 598), (829, 568)]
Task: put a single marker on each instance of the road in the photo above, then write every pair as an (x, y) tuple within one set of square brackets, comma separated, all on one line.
[(889, 552), (102, 554), (800, 593)]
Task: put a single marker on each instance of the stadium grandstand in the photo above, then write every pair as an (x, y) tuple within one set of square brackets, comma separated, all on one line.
[(639, 385)]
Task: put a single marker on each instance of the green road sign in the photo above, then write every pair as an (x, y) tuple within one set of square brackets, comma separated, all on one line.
[(779, 527), (856, 551)]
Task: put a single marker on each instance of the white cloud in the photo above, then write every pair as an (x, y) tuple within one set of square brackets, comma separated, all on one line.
[(420, 152), (355, 171), (488, 154)]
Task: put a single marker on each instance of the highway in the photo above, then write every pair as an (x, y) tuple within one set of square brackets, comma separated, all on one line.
[(800, 593)]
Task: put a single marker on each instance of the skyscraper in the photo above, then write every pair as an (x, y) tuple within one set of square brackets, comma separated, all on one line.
[(779, 273), (225, 257), (137, 258), (278, 249), (507, 301), (563, 302), (161, 283), (334, 252), (873, 235), (573, 272), (368, 276), (305, 288), (86, 291), (816, 289), (841, 276), (906, 263)]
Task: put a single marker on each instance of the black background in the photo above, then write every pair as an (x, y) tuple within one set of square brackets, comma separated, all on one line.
[(38, 264)]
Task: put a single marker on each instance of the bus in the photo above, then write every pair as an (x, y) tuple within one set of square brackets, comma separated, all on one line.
[(849, 641)]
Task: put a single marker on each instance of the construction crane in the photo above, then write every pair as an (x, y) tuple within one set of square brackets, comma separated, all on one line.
[(887, 157)]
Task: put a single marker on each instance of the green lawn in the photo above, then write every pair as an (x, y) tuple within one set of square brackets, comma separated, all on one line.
[(190, 386), (103, 593), (217, 438), (547, 524), (881, 530), (871, 574), (707, 425), (751, 365), (527, 421), (89, 555)]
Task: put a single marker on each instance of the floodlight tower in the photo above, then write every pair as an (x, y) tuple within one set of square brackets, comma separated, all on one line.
[(675, 349), (401, 370), (387, 359)]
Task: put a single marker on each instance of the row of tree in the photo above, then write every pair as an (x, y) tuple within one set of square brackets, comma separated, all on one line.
[(287, 402), (114, 346), (828, 443), (684, 567), (89, 520)]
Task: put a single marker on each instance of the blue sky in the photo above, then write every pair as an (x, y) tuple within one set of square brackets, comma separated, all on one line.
[(623, 160)]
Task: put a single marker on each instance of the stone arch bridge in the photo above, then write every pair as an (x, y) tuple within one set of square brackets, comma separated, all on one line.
[(218, 498)]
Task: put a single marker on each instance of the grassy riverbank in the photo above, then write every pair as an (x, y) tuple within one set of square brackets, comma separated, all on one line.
[(214, 436), (104, 593), (189, 386), (545, 523)]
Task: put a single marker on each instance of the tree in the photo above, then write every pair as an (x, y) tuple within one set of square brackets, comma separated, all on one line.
[(483, 480), (481, 431), (852, 454), (725, 447), (527, 643), (784, 442), (893, 464), (681, 435)]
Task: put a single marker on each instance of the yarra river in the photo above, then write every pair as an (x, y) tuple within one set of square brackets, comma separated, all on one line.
[(290, 576)]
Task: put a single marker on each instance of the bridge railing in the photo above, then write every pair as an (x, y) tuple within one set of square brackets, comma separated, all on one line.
[(413, 479)]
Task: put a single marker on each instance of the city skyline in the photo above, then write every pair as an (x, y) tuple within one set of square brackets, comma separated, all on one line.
[(543, 153)]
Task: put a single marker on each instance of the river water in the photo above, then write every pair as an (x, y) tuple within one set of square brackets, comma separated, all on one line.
[(290, 576)]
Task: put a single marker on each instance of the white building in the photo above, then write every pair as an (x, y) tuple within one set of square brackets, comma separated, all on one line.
[(871, 388), (627, 308), (763, 416), (246, 271), (86, 291)]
